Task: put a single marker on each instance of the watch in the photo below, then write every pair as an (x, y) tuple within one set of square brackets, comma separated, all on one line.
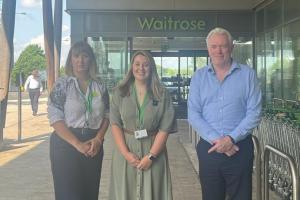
[(151, 157)]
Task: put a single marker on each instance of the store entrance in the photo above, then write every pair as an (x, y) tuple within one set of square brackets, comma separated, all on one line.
[(176, 58), (175, 70)]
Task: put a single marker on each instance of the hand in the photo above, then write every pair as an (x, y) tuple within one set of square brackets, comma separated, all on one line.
[(95, 146), (145, 163), (221, 145), (232, 151), (83, 148), (132, 159)]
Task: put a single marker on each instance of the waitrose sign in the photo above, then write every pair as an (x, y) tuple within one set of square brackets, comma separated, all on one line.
[(170, 24)]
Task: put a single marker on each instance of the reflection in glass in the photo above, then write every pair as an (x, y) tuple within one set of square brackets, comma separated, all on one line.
[(242, 52), (273, 65), (111, 59), (260, 64), (291, 67)]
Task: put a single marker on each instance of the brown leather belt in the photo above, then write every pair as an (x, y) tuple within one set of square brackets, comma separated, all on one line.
[(150, 133)]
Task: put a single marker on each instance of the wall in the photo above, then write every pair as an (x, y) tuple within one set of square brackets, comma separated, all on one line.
[(162, 4)]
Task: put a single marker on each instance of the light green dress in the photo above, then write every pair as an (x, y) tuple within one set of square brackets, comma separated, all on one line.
[(128, 183)]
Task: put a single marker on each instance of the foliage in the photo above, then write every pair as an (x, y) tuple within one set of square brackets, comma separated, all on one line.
[(62, 71), (32, 57)]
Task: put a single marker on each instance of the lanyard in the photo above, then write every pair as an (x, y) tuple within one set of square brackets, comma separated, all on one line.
[(87, 103), (141, 109)]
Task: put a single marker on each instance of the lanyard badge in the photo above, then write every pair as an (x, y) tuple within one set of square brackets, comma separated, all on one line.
[(142, 132)]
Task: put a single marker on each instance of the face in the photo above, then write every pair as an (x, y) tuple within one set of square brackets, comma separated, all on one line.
[(80, 62), (141, 68), (219, 49), (35, 73)]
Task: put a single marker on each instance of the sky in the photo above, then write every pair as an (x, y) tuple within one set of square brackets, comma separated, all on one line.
[(29, 27)]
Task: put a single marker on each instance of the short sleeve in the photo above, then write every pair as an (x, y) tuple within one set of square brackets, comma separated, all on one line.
[(168, 121), (115, 106), (56, 101)]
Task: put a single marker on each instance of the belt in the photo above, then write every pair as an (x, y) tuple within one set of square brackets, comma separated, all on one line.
[(84, 130), (150, 133)]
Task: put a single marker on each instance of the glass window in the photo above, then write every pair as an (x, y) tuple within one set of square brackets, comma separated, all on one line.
[(260, 64), (273, 65), (201, 61), (291, 9), (243, 52), (111, 55), (291, 61), (274, 14), (158, 63)]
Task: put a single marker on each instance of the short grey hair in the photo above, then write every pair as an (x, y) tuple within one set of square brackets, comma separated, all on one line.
[(221, 31)]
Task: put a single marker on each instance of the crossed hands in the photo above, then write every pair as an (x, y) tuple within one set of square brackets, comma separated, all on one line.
[(224, 145), (140, 164), (90, 148)]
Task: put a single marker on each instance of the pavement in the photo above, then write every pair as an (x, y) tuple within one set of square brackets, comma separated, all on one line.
[(25, 167)]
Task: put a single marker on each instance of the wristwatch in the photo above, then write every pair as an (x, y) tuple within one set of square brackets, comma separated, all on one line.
[(151, 157)]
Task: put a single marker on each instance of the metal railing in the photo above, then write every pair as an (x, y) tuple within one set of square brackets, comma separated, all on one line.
[(293, 168)]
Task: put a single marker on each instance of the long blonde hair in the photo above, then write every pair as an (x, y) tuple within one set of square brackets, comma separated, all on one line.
[(77, 48), (154, 85)]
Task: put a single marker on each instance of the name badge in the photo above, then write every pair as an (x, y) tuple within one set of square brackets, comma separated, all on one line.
[(140, 134)]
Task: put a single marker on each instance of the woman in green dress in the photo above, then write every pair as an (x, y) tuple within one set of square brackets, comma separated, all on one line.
[(142, 116)]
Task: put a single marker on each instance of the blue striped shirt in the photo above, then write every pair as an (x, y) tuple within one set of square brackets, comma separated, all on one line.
[(231, 107)]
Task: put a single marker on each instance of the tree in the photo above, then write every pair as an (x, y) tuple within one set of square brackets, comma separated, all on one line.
[(32, 57)]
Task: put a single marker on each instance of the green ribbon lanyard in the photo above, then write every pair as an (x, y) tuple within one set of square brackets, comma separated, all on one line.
[(88, 103), (141, 109)]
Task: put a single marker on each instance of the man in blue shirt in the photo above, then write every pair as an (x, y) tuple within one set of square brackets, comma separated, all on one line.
[(224, 105)]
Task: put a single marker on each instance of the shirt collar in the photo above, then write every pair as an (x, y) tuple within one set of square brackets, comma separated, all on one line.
[(234, 66)]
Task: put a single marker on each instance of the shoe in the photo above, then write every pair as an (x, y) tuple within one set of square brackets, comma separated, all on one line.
[(34, 114)]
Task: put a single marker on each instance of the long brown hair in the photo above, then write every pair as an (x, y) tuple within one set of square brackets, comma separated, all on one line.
[(82, 47), (154, 85)]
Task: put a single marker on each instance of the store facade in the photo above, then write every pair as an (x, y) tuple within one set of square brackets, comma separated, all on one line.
[(266, 34)]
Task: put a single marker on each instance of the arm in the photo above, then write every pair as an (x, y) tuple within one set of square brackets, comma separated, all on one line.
[(56, 115), (41, 85), (97, 141), (167, 125), (62, 131), (253, 110), (195, 116), (117, 131), (119, 139), (158, 145), (27, 83)]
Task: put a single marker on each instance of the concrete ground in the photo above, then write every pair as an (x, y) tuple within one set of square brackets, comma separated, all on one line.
[(25, 167)]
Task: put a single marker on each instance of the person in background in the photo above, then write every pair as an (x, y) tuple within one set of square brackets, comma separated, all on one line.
[(34, 86), (224, 105), (142, 117), (78, 110)]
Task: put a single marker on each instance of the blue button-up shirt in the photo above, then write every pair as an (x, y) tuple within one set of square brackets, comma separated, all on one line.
[(231, 107)]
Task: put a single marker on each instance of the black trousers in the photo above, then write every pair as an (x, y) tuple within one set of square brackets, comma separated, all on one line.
[(222, 176), (75, 176), (34, 95)]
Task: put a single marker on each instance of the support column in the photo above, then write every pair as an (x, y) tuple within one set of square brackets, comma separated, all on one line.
[(7, 55)]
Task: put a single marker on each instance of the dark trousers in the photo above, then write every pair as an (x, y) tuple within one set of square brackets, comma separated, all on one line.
[(75, 176), (34, 95), (222, 176)]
